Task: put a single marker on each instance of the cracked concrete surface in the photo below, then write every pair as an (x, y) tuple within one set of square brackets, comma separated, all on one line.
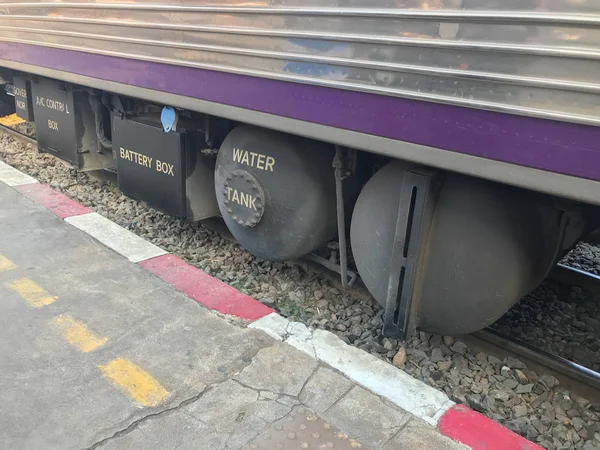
[(361, 367), (231, 414), (299, 368), (133, 426), (224, 385)]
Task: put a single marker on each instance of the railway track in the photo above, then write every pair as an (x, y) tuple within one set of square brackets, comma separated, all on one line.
[(18, 135), (572, 376), (575, 378), (577, 277)]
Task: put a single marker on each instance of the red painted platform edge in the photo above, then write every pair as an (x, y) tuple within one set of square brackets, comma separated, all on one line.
[(205, 289), (479, 432), (56, 202)]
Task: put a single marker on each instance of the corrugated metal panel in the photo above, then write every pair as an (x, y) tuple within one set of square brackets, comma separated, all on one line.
[(532, 57)]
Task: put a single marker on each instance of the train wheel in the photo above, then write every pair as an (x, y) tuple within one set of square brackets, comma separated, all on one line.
[(276, 192)]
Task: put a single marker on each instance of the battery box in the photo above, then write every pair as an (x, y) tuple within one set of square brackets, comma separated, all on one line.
[(166, 170)]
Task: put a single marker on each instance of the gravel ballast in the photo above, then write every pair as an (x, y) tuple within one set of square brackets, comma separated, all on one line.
[(560, 319)]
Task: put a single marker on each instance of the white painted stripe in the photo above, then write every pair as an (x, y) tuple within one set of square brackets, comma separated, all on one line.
[(381, 377), (119, 239), (378, 376), (273, 324), (13, 177)]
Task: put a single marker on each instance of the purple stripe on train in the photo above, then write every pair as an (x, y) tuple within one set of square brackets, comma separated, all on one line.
[(544, 144)]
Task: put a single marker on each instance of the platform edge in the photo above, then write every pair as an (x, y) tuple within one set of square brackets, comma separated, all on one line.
[(53, 200), (122, 241), (457, 422), (13, 177)]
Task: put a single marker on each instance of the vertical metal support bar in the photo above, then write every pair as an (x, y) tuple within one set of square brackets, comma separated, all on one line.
[(341, 216), (412, 227)]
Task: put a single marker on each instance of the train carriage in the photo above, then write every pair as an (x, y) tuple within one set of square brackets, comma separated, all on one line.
[(455, 142)]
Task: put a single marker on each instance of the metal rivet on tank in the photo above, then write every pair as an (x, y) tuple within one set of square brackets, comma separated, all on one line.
[(304, 445), (291, 435), (316, 435), (330, 445), (278, 427), (303, 426), (313, 418), (327, 426), (229, 210), (342, 435), (254, 446), (355, 444), (279, 446)]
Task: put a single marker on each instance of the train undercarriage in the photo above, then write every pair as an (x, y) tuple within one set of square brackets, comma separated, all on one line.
[(440, 251)]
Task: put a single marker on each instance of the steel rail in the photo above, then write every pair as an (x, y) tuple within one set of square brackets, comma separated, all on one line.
[(576, 373), (17, 134), (570, 275)]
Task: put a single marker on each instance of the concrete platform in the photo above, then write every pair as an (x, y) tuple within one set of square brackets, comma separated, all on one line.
[(98, 352), (108, 342)]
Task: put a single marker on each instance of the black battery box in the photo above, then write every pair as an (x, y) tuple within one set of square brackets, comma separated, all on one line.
[(164, 169)]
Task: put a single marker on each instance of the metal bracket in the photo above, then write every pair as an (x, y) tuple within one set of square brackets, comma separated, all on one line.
[(340, 174), (351, 276), (116, 106), (415, 212)]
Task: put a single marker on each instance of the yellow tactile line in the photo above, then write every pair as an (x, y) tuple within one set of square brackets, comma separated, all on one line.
[(31, 292), (78, 334), (6, 264), (11, 120), (134, 381), (125, 375)]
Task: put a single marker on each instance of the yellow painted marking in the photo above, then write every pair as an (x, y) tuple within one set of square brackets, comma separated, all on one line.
[(6, 264), (78, 334), (31, 292), (134, 381), (9, 121)]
